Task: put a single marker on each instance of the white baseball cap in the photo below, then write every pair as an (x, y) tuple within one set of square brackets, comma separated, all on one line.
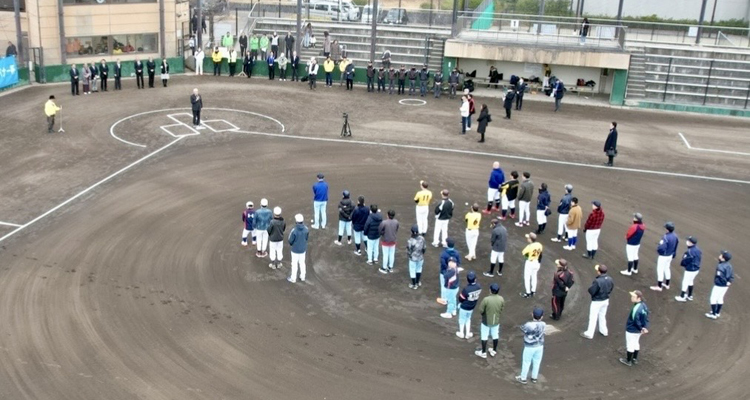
[(277, 211), (264, 202), (299, 218)]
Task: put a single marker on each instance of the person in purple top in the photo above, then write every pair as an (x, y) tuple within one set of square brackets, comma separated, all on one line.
[(320, 201)]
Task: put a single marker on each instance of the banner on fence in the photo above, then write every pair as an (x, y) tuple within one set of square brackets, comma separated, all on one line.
[(8, 71)]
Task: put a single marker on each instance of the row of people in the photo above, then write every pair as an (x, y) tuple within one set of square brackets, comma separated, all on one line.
[(98, 74)]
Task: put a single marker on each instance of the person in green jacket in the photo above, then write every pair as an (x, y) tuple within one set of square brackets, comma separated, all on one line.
[(491, 309), (263, 46), (254, 46), (227, 41)]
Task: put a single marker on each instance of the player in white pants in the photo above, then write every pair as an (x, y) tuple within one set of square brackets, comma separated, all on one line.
[(298, 242), (443, 214), (636, 325), (473, 218), (563, 208), (592, 228), (691, 261), (276, 238), (722, 280), (525, 193), (600, 291), (423, 198), (533, 255), (633, 244)]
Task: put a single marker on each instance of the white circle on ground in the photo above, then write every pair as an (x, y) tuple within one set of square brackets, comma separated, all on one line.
[(412, 102)]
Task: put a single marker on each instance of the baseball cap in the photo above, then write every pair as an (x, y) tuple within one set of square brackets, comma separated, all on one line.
[(264, 202), (569, 187), (494, 288), (471, 276), (597, 203), (249, 204), (692, 239), (346, 193), (415, 228), (450, 242), (321, 176), (299, 218), (277, 211), (637, 293), (538, 312), (638, 217), (726, 255), (669, 225)]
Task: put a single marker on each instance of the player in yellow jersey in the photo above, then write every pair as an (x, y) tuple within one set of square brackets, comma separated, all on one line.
[(473, 218), (423, 198), (533, 255)]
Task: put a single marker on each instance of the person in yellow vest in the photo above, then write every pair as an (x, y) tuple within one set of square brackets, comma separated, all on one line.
[(422, 198), (50, 109), (328, 66), (216, 57), (232, 62), (533, 255), (342, 68), (473, 218)]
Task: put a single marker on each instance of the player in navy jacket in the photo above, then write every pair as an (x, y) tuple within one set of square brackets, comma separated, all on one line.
[(667, 250), (468, 301), (636, 325), (542, 205), (633, 244), (497, 177), (247, 219), (691, 261), (722, 280), (359, 218), (563, 209)]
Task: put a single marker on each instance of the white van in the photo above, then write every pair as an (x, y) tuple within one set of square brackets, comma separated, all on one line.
[(333, 9)]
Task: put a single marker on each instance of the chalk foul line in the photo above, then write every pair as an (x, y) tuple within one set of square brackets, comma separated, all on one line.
[(687, 144), (9, 224)]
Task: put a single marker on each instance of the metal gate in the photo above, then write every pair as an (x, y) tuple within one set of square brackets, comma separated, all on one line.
[(37, 58)]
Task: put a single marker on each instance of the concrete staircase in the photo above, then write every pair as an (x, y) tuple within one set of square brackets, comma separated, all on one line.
[(412, 47), (636, 87)]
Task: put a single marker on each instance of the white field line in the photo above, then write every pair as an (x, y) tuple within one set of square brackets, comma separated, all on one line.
[(8, 224), (737, 153)]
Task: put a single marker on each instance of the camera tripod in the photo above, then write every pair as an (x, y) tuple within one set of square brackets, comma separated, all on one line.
[(346, 130)]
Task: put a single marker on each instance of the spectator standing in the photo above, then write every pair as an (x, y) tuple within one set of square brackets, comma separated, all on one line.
[(270, 60), (401, 80), (138, 67), (243, 42), (424, 79), (282, 61), (464, 110), (437, 83), (533, 346), (558, 93), (483, 120), (520, 90), (298, 239), (51, 109), (87, 79), (151, 69), (247, 64), (381, 79), (289, 45), (491, 308), (103, 74), (328, 66), (349, 75), (453, 80), (372, 232), (508, 102), (254, 46), (294, 61), (370, 74), (308, 35), (191, 44), (346, 209), (164, 72), (388, 230), (600, 290), (342, 70), (11, 50), (336, 52), (312, 72), (412, 75), (74, 76), (415, 249), (320, 201), (392, 79), (232, 62), (263, 43), (118, 75), (610, 145), (326, 44), (584, 30), (275, 44), (276, 238)]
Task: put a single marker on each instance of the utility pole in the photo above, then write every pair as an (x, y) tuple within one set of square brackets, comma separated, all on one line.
[(162, 30), (199, 24), (61, 22), (618, 30), (373, 30), (713, 13), (19, 35), (454, 19), (299, 27), (541, 18), (700, 22)]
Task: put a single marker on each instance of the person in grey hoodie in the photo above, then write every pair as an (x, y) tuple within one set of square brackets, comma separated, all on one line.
[(499, 240), (388, 230), (298, 240), (276, 230), (346, 209), (372, 232), (525, 193)]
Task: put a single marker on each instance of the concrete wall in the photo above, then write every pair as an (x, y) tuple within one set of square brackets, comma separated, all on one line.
[(464, 50), (677, 9), (8, 28)]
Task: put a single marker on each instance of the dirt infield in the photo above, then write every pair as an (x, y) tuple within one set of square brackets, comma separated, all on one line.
[(139, 288)]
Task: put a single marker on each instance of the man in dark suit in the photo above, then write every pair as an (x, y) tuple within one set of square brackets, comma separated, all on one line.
[(610, 146), (118, 75), (139, 72), (151, 67), (103, 72), (73, 80), (197, 104)]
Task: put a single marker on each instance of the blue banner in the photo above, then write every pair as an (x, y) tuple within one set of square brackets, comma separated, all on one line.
[(8, 71)]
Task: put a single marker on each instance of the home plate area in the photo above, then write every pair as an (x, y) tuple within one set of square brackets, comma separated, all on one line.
[(183, 125)]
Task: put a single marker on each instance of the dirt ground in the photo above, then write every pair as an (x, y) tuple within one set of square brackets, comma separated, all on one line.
[(139, 288)]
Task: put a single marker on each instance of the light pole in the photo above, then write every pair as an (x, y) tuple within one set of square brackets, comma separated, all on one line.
[(700, 22)]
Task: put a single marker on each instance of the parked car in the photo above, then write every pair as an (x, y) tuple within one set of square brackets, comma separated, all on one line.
[(366, 15), (396, 16), (333, 9)]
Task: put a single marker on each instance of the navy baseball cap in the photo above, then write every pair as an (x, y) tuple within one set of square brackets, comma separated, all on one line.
[(597, 203), (450, 242), (320, 176), (471, 276), (726, 255), (494, 288), (538, 312)]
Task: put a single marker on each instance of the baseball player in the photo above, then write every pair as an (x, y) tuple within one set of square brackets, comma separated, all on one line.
[(533, 255), (525, 194), (592, 228), (497, 177), (276, 230), (346, 209), (691, 261), (298, 241), (415, 248), (423, 199), (261, 221), (467, 302), (600, 290), (667, 250), (449, 253), (443, 215), (247, 219), (542, 208), (509, 191), (636, 326), (633, 244), (722, 280), (320, 200), (563, 209), (359, 218), (533, 346), (491, 309), (573, 223), (472, 218), (561, 284), (450, 279), (499, 240)]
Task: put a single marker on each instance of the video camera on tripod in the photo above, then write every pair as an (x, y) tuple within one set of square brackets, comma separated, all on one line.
[(346, 130)]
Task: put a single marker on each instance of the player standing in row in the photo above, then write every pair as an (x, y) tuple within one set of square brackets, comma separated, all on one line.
[(423, 199), (491, 308), (593, 228), (533, 346), (542, 208), (722, 280), (499, 240), (346, 209), (472, 218), (561, 284), (276, 231), (298, 239), (359, 218), (509, 191), (261, 220), (600, 290), (636, 325), (633, 244), (533, 255), (691, 261), (563, 209), (573, 223), (451, 280), (497, 177), (667, 251), (525, 194), (320, 200), (443, 215), (372, 232), (247, 220), (388, 230), (468, 301), (415, 248)]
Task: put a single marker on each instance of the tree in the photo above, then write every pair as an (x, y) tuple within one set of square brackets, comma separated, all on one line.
[(210, 9)]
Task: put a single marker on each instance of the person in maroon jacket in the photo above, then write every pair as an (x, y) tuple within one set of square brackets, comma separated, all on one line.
[(561, 284), (592, 228)]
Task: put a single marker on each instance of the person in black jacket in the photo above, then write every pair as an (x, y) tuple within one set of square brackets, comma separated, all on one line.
[(483, 120), (610, 145), (294, 60), (103, 73), (561, 284), (247, 64), (151, 69), (372, 232), (359, 218), (346, 209), (243, 42), (164, 72), (138, 66), (599, 290), (74, 76), (508, 102), (520, 90), (118, 75), (443, 215), (276, 238), (197, 104)]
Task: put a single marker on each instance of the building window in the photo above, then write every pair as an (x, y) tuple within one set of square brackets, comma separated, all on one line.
[(87, 46), (67, 2)]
